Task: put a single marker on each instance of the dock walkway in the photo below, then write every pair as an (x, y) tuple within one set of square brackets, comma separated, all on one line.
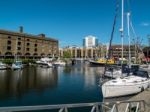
[(145, 95)]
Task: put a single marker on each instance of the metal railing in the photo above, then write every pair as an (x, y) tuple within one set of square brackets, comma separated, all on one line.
[(123, 106)]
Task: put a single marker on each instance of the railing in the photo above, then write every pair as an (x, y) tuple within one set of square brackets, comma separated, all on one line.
[(123, 106)]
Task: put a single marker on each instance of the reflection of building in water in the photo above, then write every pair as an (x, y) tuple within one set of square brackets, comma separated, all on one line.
[(46, 78), (90, 79), (15, 83)]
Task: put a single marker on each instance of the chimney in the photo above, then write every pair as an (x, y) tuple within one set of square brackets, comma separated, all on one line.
[(21, 29)]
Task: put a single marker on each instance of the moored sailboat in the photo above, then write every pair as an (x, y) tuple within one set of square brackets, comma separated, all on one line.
[(2, 66), (135, 83), (126, 86), (45, 62), (17, 65)]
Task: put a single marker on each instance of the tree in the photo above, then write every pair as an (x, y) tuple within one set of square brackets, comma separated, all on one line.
[(67, 54)]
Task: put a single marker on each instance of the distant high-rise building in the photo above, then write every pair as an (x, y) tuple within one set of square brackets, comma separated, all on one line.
[(90, 41)]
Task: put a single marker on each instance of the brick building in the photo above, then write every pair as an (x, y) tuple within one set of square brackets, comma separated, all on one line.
[(27, 45)]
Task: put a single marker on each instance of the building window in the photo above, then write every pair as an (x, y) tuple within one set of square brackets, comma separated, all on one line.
[(28, 39), (8, 47), (35, 49), (28, 49), (19, 48), (19, 43), (8, 42), (28, 44), (19, 38), (9, 37), (35, 45)]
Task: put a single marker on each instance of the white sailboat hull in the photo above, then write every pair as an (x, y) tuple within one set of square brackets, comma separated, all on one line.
[(2, 67), (124, 88), (59, 63), (46, 64), (17, 65)]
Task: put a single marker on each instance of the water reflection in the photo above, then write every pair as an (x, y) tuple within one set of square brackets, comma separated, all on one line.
[(16, 83), (89, 74), (39, 86)]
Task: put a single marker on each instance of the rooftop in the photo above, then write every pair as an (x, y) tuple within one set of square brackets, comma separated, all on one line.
[(21, 34)]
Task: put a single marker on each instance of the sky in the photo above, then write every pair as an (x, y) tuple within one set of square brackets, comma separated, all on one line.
[(70, 21)]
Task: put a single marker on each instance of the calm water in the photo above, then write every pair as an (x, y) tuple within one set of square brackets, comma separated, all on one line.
[(39, 86)]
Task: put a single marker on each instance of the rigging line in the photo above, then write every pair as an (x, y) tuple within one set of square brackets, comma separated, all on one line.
[(135, 35), (112, 33), (133, 29)]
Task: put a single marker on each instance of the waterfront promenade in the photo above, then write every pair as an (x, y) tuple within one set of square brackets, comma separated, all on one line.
[(145, 95), (143, 107)]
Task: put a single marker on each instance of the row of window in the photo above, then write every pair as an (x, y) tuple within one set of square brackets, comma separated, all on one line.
[(9, 37), (19, 38), (19, 48), (19, 43), (27, 54)]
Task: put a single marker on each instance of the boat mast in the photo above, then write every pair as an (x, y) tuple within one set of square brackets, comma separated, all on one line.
[(128, 24), (122, 30)]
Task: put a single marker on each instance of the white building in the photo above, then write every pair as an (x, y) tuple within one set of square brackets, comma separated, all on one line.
[(90, 41)]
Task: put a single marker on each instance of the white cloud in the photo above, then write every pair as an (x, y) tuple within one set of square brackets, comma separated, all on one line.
[(145, 24)]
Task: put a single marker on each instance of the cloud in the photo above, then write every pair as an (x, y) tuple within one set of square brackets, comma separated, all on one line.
[(145, 24)]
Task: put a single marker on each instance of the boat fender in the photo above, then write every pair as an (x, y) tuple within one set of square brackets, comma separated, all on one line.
[(142, 89)]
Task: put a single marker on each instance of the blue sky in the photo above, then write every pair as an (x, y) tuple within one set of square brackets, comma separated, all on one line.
[(70, 21)]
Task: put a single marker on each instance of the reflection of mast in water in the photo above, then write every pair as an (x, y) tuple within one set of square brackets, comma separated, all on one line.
[(90, 79), (46, 78), (15, 81), (9, 82)]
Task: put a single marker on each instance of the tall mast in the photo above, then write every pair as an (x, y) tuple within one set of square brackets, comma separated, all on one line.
[(128, 24), (122, 29)]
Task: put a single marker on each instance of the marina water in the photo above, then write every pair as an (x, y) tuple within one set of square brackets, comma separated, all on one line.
[(34, 85)]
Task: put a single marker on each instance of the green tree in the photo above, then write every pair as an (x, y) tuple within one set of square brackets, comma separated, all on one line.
[(67, 54)]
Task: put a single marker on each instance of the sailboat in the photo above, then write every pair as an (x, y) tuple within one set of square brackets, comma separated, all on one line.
[(133, 84), (3, 66), (45, 62), (126, 86), (17, 64)]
